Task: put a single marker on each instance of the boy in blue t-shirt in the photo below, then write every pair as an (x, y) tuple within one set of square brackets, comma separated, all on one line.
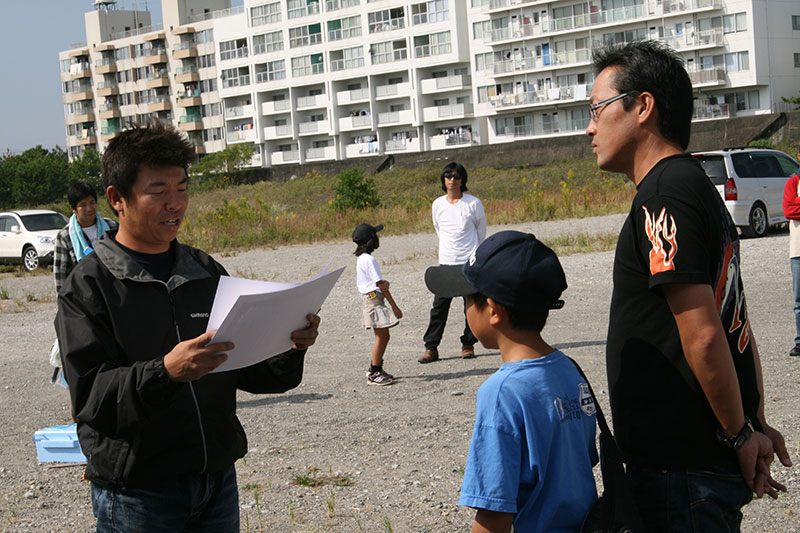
[(533, 447)]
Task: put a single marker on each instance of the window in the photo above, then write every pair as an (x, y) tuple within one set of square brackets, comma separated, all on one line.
[(482, 30), (268, 42), (125, 75), (307, 65), (737, 61), (734, 23), (205, 36), (432, 11), (233, 49), (797, 61), (576, 16), (388, 51), (347, 59), (628, 36), (207, 86), (210, 110), (271, 71), (796, 22), (125, 99), (431, 45), (333, 5), (711, 62), (344, 28), (122, 53), (301, 8), (206, 61), (387, 19), (305, 35), (265, 14), (235, 77), (212, 134)]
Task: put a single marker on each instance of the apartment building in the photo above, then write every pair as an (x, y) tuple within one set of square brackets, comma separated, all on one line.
[(316, 80)]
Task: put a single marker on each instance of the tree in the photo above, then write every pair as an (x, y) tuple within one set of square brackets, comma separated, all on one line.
[(87, 168), (231, 159), (793, 100), (35, 177)]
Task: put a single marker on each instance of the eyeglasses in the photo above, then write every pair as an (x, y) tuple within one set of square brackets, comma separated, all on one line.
[(594, 107), (451, 177)]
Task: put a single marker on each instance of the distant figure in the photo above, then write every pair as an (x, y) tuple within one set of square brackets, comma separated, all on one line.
[(78, 238), (460, 223), (533, 447), (683, 368), (159, 430), (375, 295), (791, 210)]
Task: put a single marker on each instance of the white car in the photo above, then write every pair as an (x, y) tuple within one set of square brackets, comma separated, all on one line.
[(750, 182), (28, 236)]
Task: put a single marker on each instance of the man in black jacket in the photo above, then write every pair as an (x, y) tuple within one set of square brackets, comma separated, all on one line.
[(160, 432)]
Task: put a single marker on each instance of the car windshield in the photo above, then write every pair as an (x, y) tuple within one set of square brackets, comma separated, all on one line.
[(44, 221)]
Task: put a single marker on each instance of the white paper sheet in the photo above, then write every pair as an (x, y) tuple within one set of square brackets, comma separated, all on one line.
[(259, 316)]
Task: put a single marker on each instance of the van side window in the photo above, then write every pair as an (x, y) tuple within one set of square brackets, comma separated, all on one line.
[(743, 166), (788, 165)]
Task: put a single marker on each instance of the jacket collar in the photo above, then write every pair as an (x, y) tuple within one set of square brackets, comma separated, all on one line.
[(122, 266)]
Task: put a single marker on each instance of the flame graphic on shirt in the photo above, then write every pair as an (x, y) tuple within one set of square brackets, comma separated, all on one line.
[(728, 294), (660, 229)]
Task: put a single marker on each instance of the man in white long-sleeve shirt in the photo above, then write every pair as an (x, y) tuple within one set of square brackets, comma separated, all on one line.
[(460, 223)]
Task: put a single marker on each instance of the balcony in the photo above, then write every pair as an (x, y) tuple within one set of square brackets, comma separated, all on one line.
[(81, 116), (86, 139), (184, 50), (361, 149), (235, 53), (707, 78), (186, 74), (311, 8), (191, 122), (84, 93), (358, 122), (396, 23), (546, 62), (156, 56), (107, 88), (338, 65), (406, 116), (79, 70), (571, 93), (189, 98), (710, 112), (158, 79), (546, 129), (313, 127), (449, 83), (453, 140), (236, 81), (282, 158), (699, 40), (308, 102), (446, 112), (278, 132), (322, 152), (401, 54), (274, 107), (382, 92), (239, 111), (353, 96), (157, 103), (105, 65), (109, 111), (401, 145), (242, 135)]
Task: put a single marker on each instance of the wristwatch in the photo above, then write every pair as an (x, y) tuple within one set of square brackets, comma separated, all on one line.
[(738, 440)]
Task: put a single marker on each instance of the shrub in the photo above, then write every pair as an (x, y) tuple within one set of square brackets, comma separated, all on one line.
[(354, 191)]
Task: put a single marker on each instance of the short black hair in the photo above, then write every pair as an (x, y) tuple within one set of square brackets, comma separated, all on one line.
[(457, 169), (151, 144), (78, 191), (519, 320), (368, 247), (653, 67)]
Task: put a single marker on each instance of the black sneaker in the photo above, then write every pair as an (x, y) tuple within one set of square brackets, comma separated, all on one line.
[(795, 351), (379, 377)]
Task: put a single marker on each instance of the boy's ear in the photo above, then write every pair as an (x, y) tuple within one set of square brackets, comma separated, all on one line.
[(497, 313)]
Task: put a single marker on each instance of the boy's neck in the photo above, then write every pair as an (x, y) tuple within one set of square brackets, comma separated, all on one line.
[(521, 345)]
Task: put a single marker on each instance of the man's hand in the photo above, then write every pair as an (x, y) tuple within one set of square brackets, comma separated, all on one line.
[(303, 338), (193, 359), (755, 457), (397, 312)]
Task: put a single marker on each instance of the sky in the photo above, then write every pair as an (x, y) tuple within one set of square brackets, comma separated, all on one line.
[(32, 33)]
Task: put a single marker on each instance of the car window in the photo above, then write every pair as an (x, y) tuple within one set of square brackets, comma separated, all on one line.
[(788, 165), (44, 221), (743, 166), (6, 223), (766, 166), (714, 165)]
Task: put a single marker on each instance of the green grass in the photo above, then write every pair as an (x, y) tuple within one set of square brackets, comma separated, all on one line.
[(300, 211)]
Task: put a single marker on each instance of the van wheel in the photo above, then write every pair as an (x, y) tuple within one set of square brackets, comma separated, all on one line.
[(758, 221), (30, 259)]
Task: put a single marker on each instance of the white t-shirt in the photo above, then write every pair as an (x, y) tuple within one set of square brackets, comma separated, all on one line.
[(367, 273), (91, 234), (461, 227)]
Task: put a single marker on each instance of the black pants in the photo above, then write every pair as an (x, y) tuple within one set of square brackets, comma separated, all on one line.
[(439, 312)]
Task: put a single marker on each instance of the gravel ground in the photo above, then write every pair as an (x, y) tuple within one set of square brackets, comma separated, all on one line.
[(385, 458)]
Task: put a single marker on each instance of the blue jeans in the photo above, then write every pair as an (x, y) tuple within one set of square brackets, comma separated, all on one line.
[(193, 503), (696, 501), (795, 261)]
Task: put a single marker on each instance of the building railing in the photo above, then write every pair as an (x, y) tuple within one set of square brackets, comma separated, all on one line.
[(236, 81), (136, 31), (396, 23), (105, 61), (185, 45), (221, 13), (233, 54), (431, 49), (190, 117), (333, 5), (715, 75), (570, 92), (711, 111), (263, 77), (308, 9), (584, 55), (389, 57), (345, 64)]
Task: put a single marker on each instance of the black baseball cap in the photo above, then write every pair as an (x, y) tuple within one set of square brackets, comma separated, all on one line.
[(513, 268), (364, 232)]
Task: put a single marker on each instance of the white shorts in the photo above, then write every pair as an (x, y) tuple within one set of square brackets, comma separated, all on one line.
[(376, 313)]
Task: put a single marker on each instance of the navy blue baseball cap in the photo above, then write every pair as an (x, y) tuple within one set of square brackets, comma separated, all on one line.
[(364, 232), (513, 268)]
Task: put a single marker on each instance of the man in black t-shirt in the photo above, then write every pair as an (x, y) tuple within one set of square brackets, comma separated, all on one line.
[(683, 367)]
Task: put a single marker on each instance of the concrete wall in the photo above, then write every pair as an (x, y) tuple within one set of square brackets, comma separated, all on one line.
[(707, 135)]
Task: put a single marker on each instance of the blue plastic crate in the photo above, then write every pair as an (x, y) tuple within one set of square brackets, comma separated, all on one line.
[(59, 444)]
